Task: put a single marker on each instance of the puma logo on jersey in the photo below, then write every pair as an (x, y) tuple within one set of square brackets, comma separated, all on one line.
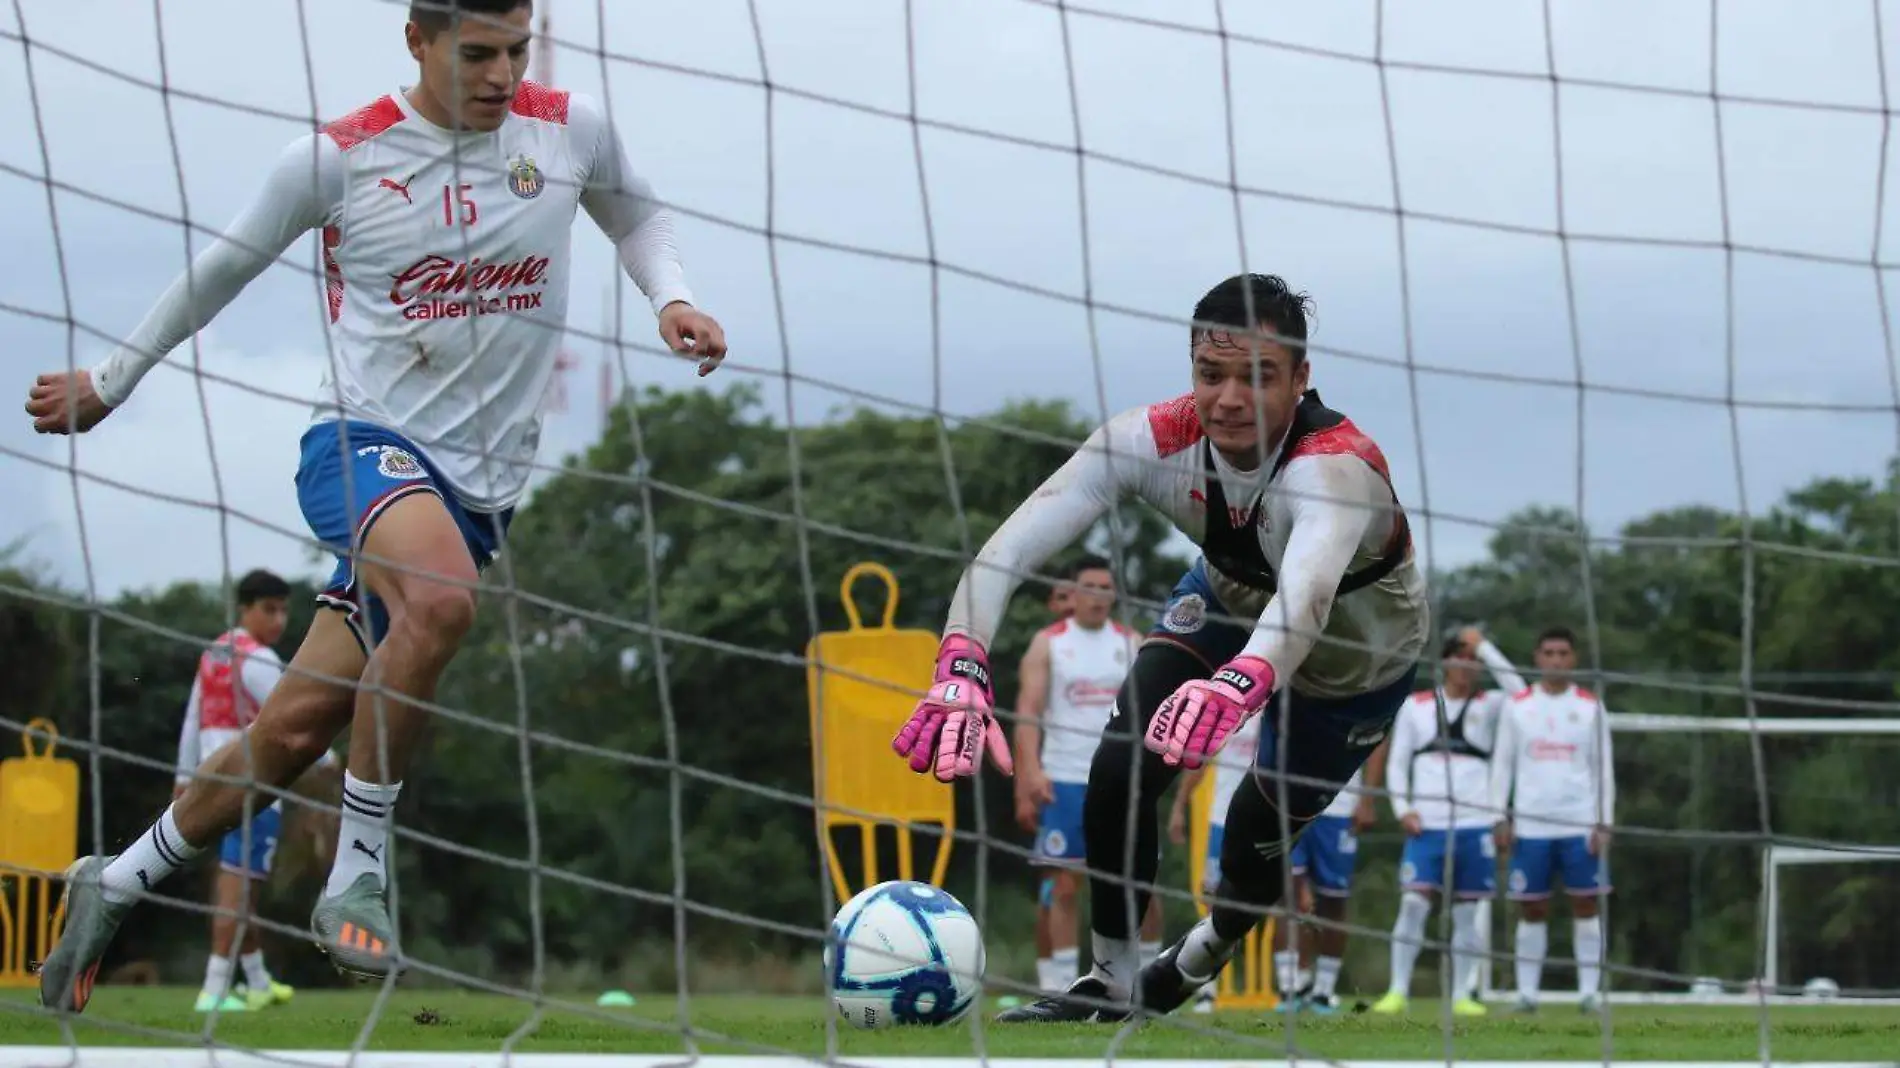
[(400, 189)]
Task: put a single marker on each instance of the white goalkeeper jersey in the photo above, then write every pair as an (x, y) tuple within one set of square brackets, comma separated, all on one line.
[(1553, 770), (1085, 673), (1322, 510), (445, 263), (1445, 775)]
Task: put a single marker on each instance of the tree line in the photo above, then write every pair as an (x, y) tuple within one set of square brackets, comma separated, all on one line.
[(646, 628)]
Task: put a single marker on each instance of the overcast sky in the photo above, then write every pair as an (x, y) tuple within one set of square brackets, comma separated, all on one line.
[(1479, 162)]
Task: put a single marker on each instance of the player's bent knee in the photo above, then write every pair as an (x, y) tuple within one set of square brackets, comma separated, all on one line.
[(444, 614)]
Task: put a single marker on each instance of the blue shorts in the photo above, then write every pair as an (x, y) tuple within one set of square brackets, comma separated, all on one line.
[(1325, 853), (341, 501), (1059, 839), (1535, 860), (1474, 862), (255, 862)]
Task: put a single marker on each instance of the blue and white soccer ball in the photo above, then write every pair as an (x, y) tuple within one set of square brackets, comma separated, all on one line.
[(904, 953)]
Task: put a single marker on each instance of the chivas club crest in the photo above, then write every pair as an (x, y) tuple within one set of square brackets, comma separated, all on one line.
[(524, 178)]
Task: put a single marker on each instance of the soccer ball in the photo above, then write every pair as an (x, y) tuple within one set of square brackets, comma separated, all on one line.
[(903, 953)]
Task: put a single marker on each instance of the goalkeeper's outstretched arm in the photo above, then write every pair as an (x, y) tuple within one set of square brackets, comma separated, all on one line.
[(1061, 510)]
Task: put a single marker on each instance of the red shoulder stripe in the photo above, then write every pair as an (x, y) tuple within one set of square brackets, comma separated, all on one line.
[(1176, 425), (364, 123), (536, 101), (1344, 439)]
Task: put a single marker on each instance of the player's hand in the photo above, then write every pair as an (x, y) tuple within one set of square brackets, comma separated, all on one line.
[(1364, 815), (1472, 637), (65, 401), (686, 329), (1195, 721), (1501, 836), (1028, 813), (1599, 841), (1412, 825), (955, 722)]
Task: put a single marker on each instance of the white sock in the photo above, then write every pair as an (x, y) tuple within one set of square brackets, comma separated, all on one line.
[(1064, 964), (1116, 962), (256, 975), (362, 843), (1326, 976), (1149, 951), (1533, 941), (1465, 948), (158, 852), (1046, 975), (1203, 953), (217, 976), (1408, 937), (1286, 970), (1588, 937)]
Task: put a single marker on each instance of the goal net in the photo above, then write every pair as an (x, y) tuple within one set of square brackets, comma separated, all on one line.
[(1607, 282)]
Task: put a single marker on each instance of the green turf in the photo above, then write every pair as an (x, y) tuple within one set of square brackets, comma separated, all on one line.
[(449, 1020)]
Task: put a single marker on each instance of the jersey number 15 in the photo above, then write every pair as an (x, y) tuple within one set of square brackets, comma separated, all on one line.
[(454, 196)]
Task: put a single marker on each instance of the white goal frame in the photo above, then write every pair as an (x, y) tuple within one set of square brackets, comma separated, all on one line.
[(1774, 858)]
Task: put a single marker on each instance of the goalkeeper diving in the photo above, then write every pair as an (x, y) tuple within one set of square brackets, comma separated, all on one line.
[(1306, 587)]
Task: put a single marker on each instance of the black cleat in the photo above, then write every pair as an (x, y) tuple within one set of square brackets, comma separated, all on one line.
[(1086, 1001), (1163, 986)]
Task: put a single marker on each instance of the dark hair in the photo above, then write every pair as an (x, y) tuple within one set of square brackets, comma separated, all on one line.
[(1250, 301), (1087, 563), (434, 16), (1454, 646), (260, 585), (1557, 634)]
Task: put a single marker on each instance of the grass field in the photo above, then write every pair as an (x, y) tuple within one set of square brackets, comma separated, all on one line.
[(457, 1021)]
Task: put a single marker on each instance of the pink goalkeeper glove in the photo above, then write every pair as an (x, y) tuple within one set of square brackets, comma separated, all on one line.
[(953, 723), (1195, 720)]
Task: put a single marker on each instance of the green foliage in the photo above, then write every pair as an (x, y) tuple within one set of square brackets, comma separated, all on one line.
[(648, 620)]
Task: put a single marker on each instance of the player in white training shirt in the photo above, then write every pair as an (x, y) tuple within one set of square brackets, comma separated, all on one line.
[(1302, 539), (1068, 681), (234, 676), (1554, 781), (1440, 780), (444, 212)]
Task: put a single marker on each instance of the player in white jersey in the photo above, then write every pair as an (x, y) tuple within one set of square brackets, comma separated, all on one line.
[(235, 674), (1439, 776), (1555, 784), (1306, 584), (1068, 681), (445, 211)]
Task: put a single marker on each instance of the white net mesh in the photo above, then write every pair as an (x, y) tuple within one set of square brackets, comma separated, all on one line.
[(1608, 283)]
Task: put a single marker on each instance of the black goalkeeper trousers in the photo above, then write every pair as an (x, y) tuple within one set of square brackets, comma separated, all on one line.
[(1309, 747)]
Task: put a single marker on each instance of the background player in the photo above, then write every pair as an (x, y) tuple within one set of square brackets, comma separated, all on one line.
[(1229, 767), (1069, 677), (1440, 782), (1323, 860), (446, 214), (1302, 536), (235, 674), (1058, 605), (1555, 782)]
